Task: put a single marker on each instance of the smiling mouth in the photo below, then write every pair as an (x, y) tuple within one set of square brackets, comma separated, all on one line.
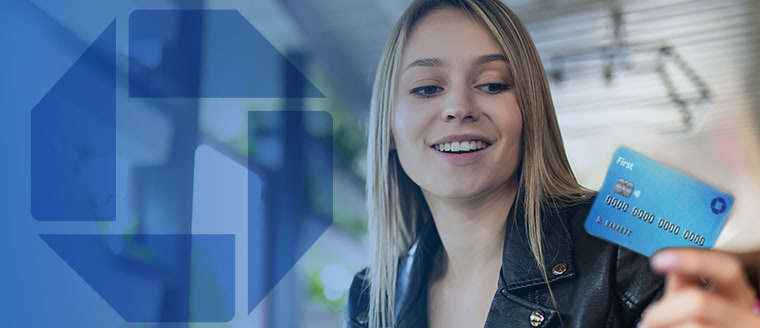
[(461, 147)]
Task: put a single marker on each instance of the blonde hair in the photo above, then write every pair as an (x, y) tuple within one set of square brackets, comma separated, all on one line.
[(395, 204)]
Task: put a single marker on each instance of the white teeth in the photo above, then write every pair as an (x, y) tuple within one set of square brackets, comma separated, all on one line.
[(461, 146)]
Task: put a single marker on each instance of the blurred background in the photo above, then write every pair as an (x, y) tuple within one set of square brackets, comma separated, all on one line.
[(676, 80)]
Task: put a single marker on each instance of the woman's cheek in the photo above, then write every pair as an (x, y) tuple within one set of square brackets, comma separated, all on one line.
[(409, 123)]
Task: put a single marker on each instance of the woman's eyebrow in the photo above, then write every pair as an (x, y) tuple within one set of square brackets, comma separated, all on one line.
[(430, 62), (438, 62), (490, 58)]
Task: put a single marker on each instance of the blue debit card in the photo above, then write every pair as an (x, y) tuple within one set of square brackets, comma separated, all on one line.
[(645, 206)]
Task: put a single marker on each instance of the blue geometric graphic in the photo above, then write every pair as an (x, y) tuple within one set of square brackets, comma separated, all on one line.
[(296, 147), (132, 273), (74, 140), (238, 61), (178, 277)]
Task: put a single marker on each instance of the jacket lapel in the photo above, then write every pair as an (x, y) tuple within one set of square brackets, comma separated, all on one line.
[(519, 268), (519, 271), (411, 282)]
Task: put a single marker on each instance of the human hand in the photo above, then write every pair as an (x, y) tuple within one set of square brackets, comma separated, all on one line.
[(726, 301)]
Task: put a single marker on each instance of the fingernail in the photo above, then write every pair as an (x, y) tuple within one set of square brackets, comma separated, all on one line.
[(664, 261)]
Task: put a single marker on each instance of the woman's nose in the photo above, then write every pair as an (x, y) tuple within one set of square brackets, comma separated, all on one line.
[(459, 106)]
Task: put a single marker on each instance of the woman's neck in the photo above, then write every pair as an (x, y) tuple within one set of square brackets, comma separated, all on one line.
[(472, 233)]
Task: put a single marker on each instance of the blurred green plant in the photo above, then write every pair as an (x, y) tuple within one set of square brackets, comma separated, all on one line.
[(316, 292)]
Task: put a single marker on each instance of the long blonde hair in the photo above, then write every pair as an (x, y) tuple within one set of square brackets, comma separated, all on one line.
[(395, 204)]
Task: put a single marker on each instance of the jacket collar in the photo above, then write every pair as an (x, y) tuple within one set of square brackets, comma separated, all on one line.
[(519, 268), (413, 271)]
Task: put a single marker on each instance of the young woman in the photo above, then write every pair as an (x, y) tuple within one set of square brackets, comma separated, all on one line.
[(475, 215)]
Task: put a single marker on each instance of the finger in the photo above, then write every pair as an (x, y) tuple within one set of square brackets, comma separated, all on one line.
[(695, 306), (723, 270), (694, 325), (742, 321), (751, 263), (675, 282)]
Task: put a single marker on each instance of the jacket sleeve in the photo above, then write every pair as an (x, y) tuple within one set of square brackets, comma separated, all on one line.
[(357, 302), (637, 285)]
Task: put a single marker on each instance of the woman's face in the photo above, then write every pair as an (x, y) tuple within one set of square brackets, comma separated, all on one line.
[(456, 124)]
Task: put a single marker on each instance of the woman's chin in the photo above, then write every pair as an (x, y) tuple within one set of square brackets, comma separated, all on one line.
[(460, 191), (465, 190)]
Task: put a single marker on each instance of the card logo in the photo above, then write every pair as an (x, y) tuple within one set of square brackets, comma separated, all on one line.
[(718, 205)]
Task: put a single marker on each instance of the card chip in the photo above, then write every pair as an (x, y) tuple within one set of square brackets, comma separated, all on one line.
[(623, 187)]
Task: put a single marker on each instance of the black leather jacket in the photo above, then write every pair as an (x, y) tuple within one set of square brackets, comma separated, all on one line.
[(595, 283)]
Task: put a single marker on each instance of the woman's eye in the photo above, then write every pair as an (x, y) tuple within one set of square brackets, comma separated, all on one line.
[(426, 91), (493, 88)]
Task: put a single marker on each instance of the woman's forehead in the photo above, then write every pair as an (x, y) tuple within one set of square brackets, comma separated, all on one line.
[(448, 35)]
